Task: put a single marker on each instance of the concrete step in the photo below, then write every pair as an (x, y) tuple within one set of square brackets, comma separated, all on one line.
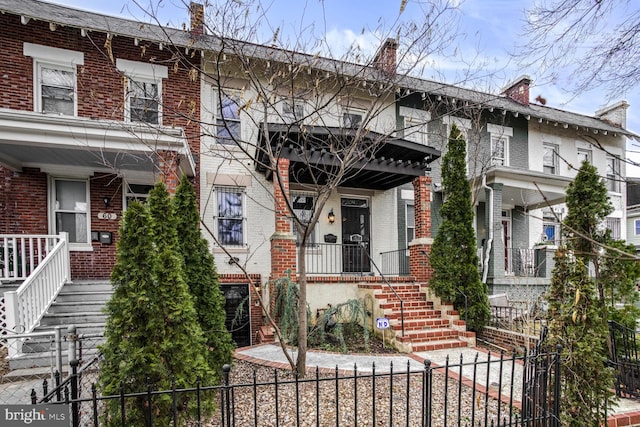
[(88, 286), (82, 296), (66, 319), (76, 307), (45, 359)]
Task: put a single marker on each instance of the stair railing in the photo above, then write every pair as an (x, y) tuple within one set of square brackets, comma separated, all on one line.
[(25, 306), (386, 282)]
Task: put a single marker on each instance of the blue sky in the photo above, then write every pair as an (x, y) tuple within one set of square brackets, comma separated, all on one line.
[(489, 31)]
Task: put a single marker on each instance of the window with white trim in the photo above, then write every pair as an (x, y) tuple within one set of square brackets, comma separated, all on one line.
[(227, 116), (584, 155), (637, 227), (230, 216), (137, 192), (613, 174), (352, 118), (55, 86), (143, 98), (613, 224), (70, 208), (499, 150), (303, 206), (550, 158), (550, 228), (143, 90), (292, 111), (410, 221), (415, 124)]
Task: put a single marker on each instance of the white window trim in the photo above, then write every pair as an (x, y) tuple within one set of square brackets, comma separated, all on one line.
[(287, 118), (406, 223), (127, 193), (56, 58), (146, 73), (80, 247), (350, 110), (415, 125), (243, 192), (314, 232), (587, 151), (214, 120), (616, 174), (556, 151), (502, 132), (505, 159), (636, 227)]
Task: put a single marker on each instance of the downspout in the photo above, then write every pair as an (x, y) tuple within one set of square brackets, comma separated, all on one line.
[(485, 262)]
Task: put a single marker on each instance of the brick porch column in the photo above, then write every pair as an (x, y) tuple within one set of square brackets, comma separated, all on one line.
[(420, 246), (283, 241), (169, 173)]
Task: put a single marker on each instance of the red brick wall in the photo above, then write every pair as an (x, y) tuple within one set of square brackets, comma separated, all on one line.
[(101, 95), (283, 246), (419, 265)]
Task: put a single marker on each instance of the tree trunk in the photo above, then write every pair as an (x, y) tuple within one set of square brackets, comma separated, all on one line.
[(301, 363)]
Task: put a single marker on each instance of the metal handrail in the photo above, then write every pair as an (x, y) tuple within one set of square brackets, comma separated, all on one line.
[(384, 279)]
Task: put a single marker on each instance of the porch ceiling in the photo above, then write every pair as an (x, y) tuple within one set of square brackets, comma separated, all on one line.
[(386, 162), (59, 144), (530, 189)]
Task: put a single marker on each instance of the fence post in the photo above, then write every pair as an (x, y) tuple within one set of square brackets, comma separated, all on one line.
[(75, 416), (72, 337), (426, 407), (58, 338), (556, 391), (227, 404)]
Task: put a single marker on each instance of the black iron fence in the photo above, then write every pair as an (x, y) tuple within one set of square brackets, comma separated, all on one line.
[(337, 258), (492, 391), (623, 357), (516, 320)]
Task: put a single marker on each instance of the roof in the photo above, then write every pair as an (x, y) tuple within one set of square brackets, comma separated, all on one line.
[(91, 21)]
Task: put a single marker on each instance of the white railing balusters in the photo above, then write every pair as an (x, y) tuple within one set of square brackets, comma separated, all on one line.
[(25, 306)]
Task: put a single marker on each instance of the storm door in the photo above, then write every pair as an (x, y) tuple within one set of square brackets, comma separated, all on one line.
[(356, 237), (237, 309)]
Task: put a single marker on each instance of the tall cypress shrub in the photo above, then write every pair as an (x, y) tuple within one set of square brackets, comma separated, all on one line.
[(201, 277), (453, 255)]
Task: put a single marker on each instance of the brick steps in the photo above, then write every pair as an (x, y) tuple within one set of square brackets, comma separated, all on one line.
[(426, 327)]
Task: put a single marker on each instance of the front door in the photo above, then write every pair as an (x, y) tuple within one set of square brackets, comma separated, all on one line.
[(355, 235), (506, 238), (237, 309)]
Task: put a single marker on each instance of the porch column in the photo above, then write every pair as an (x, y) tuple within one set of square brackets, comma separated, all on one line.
[(283, 241), (168, 163), (494, 217), (420, 246)]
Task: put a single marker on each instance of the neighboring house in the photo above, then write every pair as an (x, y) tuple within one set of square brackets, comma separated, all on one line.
[(521, 158), (633, 212)]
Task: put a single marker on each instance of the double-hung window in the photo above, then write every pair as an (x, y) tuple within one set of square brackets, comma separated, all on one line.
[(143, 90), (613, 224), (228, 124), (550, 159), (613, 174), (303, 207), (352, 119), (415, 124), (550, 228), (70, 209), (136, 192), (54, 78), (499, 143), (584, 155), (637, 227), (231, 220), (292, 111), (410, 217)]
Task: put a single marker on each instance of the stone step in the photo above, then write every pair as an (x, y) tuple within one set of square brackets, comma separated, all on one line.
[(438, 345), (433, 334), (395, 305), (420, 324), (414, 313), (405, 296)]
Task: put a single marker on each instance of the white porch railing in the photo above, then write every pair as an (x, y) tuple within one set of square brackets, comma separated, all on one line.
[(24, 307)]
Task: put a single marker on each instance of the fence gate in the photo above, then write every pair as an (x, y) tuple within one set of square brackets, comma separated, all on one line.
[(237, 306)]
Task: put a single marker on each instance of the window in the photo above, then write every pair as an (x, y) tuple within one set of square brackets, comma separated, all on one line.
[(71, 209), (415, 124), (637, 227), (613, 224), (584, 155), (292, 111), (550, 228), (230, 216), (550, 159), (139, 192), (55, 78), (410, 218), (613, 174), (143, 91), (228, 126), (352, 119), (303, 206), (499, 146), (144, 102)]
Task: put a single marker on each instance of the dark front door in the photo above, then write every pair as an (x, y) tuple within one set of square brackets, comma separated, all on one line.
[(355, 236), (237, 308)]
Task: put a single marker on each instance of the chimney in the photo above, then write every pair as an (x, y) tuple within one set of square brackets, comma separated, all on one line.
[(385, 59), (616, 114), (196, 13), (519, 90)]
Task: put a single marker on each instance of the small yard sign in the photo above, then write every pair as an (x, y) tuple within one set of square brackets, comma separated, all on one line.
[(382, 322)]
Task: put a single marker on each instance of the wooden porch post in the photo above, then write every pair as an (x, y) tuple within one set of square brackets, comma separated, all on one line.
[(283, 241), (420, 246)]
